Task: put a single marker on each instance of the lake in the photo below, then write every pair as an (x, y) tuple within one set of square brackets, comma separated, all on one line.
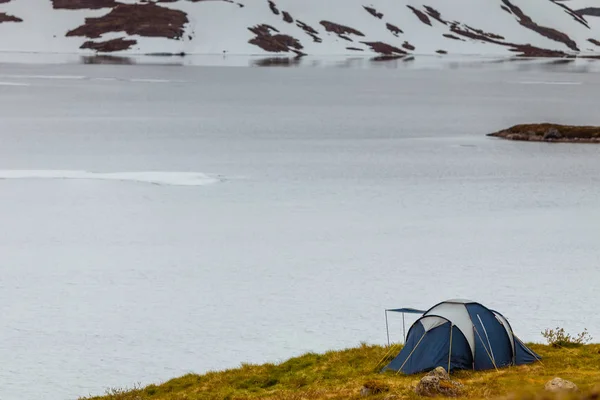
[(165, 219)]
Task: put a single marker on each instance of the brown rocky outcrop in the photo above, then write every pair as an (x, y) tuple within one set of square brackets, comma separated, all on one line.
[(83, 4), (273, 7), (287, 17), (384, 48), (4, 17), (421, 15), (550, 33), (591, 11), (136, 19), (373, 12), (276, 43), (394, 29), (109, 46), (341, 30), (309, 30), (435, 14)]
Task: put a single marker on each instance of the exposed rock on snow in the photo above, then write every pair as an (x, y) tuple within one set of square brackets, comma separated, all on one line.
[(109, 45), (341, 30), (591, 11), (550, 33), (394, 29), (373, 12), (384, 48), (560, 385), (83, 4), (136, 19), (421, 15), (274, 43), (4, 17), (532, 28)]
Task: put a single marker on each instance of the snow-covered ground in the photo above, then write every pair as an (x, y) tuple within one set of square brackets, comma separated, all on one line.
[(339, 192), (214, 27)]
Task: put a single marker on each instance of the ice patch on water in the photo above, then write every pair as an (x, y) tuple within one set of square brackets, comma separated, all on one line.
[(13, 84), (153, 177)]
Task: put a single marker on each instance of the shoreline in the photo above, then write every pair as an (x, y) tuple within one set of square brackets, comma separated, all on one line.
[(342, 374)]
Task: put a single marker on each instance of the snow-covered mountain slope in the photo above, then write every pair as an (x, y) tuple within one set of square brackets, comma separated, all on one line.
[(317, 27)]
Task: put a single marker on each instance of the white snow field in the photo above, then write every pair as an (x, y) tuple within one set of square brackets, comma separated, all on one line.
[(214, 27), (341, 192)]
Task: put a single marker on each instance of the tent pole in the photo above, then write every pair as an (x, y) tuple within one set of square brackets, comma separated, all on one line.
[(411, 353), (403, 328), (450, 351), (486, 350), (387, 329)]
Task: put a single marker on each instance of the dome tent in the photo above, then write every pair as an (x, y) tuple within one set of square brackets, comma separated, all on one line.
[(460, 334)]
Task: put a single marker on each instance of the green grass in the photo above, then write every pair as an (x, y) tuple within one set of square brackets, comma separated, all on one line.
[(341, 374)]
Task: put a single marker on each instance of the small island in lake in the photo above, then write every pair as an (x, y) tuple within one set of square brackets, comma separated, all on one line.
[(550, 133)]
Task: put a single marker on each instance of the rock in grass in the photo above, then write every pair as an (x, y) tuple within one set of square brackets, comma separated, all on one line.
[(436, 383), (441, 373), (560, 385)]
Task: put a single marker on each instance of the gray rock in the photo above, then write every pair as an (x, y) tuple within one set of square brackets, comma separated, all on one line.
[(365, 391), (429, 386), (552, 134), (436, 383), (441, 373), (560, 385)]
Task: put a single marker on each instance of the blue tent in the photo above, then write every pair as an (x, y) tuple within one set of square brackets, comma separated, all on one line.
[(461, 334)]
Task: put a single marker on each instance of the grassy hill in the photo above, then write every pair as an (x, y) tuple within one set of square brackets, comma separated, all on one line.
[(341, 374)]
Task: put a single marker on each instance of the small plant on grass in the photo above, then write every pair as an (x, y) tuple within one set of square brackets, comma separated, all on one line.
[(559, 338)]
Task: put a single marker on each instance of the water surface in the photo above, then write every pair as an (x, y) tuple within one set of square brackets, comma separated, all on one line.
[(341, 192)]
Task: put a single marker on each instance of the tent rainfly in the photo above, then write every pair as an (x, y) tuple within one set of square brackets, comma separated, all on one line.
[(402, 311), (460, 334)]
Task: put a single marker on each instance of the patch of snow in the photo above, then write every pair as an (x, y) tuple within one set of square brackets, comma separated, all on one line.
[(13, 84), (218, 27)]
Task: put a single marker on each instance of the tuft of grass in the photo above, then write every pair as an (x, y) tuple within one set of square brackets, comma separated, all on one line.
[(341, 375), (559, 338), (376, 386)]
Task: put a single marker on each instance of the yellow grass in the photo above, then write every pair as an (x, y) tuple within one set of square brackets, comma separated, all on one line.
[(341, 374)]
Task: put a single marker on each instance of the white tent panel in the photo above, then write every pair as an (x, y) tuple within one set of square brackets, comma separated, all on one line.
[(506, 326), (459, 316), (432, 322), (459, 301)]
